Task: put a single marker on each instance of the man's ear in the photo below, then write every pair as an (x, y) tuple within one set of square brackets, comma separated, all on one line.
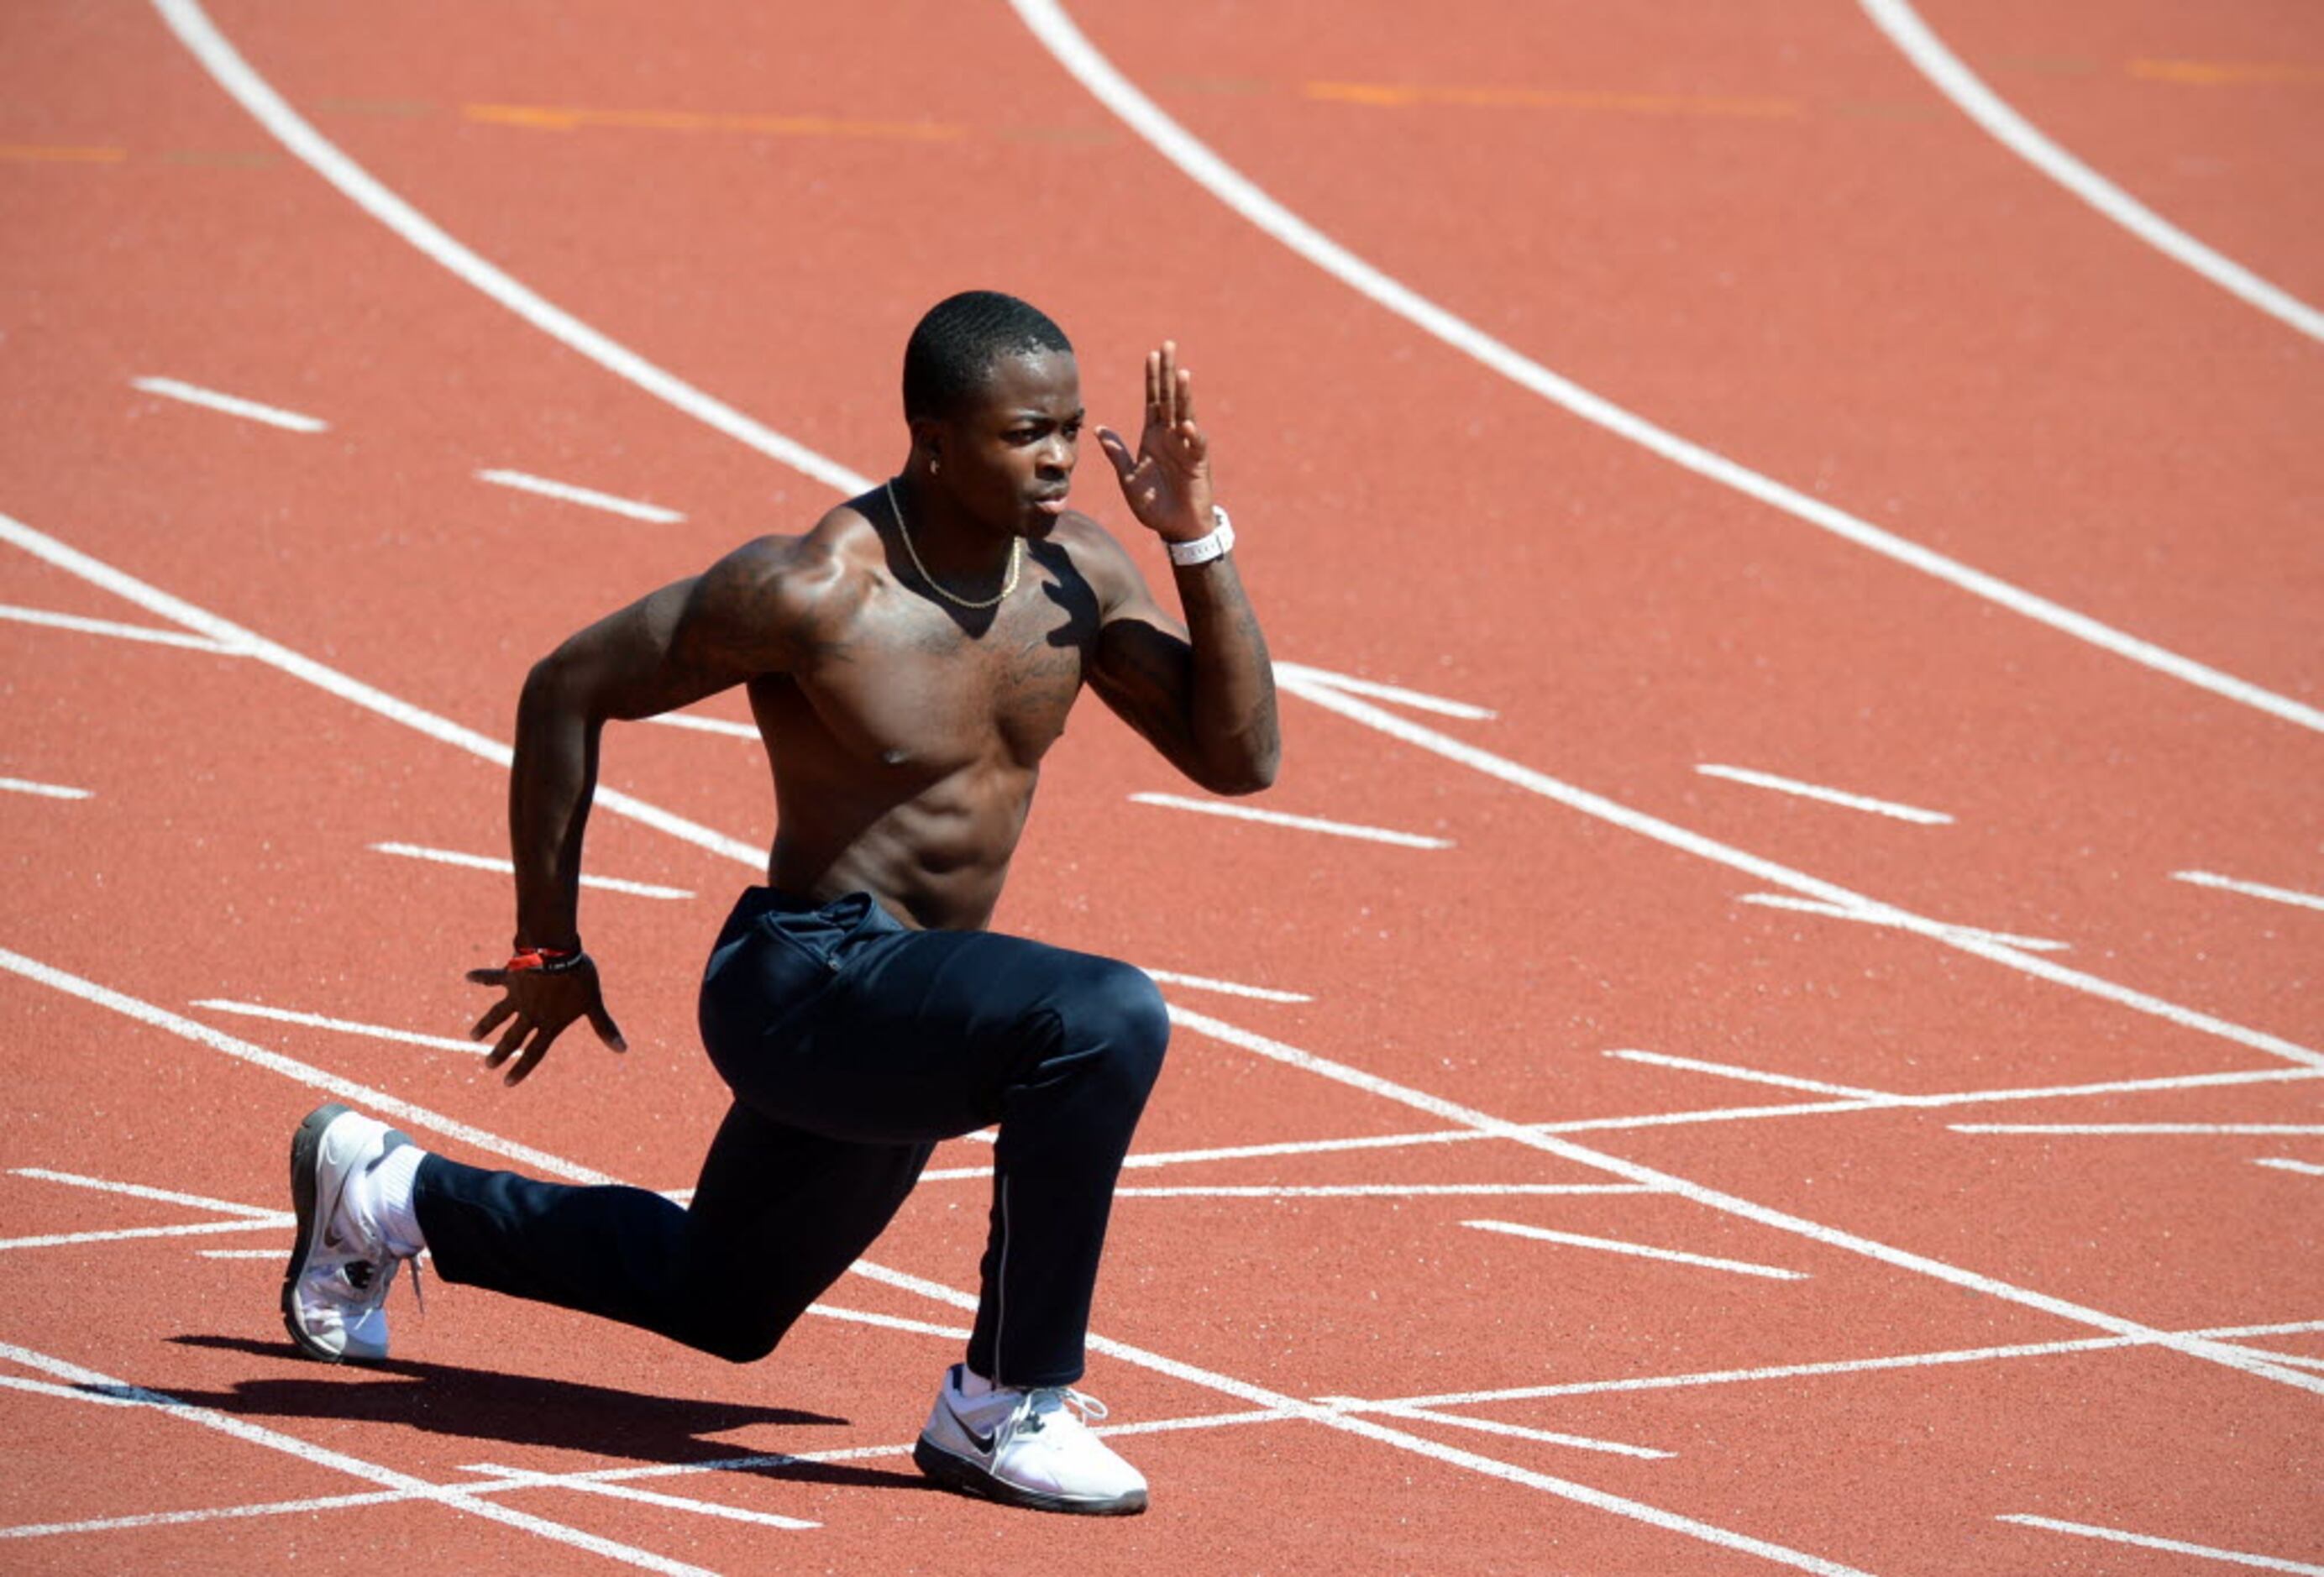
[(928, 440)]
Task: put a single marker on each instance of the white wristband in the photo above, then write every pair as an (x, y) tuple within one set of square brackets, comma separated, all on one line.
[(1203, 549)]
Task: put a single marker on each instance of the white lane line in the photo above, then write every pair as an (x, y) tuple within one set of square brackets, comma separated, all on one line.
[(1203, 982), (2307, 900), (1074, 52), (1754, 1075), (42, 790), (1495, 1426), (377, 1102), (158, 1195), (1732, 1204), (1644, 1251), (1810, 906), (130, 1234), (217, 56), (247, 643), (242, 1253), (1374, 1190), (701, 724), (589, 497), (2145, 1127), (1792, 786), (342, 1025), (249, 409), (890, 1322), (1310, 824), (49, 621), (1722, 1377), (1351, 1423), (2148, 1541), (2305, 1168), (519, 1477), (1671, 835), (1400, 1440), (1420, 701), (487, 863), (451, 1496), (1957, 82)]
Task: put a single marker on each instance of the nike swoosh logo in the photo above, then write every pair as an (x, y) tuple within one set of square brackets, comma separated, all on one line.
[(983, 1443)]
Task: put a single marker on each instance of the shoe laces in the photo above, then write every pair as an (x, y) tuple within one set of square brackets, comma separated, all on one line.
[(1059, 1398), (362, 1274)]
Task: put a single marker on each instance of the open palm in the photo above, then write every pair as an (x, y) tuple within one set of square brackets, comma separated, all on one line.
[(1167, 483)]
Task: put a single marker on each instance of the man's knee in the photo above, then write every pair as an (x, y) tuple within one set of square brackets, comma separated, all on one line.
[(1117, 1010)]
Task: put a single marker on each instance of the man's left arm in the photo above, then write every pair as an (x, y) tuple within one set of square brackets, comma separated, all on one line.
[(1202, 692)]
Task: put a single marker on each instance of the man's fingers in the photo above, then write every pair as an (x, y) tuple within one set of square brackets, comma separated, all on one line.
[(1153, 386), (493, 1017), (1166, 385), (607, 1031), (508, 1043), (1185, 399), (492, 977), (535, 1049), (1117, 451)]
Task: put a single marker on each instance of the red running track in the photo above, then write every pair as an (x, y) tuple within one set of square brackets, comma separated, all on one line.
[(1759, 227)]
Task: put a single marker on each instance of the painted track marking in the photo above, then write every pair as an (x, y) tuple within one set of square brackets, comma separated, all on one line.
[(1643, 1250), (1204, 982), (1308, 824), (1816, 791), (2307, 900), (230, 404), (1375, 1190), (1783, 1080), (508, 868), (2148, 1541), (1598, 1500), (158, 1195), (1495, 1426), (47, 619), (1840, 911), (1056, 33), (1732, 1204), (588, 497), (521, 1478), (1943, 69), (708, 725), (2138, 1128), (194, 31), (135, 1234), (341, 1026), (450, 1496), (42, 790), (1602, 808), (2282, 1164)]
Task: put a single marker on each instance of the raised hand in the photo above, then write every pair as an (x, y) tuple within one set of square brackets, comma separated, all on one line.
[(1167, 484), (542, 1004)]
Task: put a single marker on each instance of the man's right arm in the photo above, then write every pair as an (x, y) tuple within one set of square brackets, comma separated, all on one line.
[(750, 614)]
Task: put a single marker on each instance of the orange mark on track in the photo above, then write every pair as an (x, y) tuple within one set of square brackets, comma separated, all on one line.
[(2224, 73), (553, 118), (34, 153), (1401, 96)]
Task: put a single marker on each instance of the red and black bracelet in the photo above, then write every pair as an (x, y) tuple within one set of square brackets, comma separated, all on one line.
[(545, 960)]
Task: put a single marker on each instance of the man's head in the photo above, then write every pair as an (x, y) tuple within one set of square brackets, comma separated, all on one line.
[(993, 397)]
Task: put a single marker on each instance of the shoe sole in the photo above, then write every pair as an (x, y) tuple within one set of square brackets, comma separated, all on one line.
[(305, 1162), (958, 1472)]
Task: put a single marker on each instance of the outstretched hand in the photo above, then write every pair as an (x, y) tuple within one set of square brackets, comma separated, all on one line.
[(1167, 483), (542, 1004)]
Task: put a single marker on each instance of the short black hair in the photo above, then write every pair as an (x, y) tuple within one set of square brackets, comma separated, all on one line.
[(960, 338)]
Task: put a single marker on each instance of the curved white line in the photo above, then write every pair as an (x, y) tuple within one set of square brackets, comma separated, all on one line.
[(1973, 98), (1074, 52), (192, 26)]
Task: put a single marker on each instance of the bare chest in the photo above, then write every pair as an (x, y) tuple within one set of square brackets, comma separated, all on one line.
[(912, 687)]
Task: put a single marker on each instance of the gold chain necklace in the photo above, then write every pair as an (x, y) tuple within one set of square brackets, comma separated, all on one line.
[(1016, 560)]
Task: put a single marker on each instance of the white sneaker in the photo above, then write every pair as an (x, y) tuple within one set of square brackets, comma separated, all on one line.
[(1026, 1448), (335, 1290)]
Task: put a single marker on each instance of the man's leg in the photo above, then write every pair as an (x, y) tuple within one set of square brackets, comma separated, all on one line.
[(778, 1215)]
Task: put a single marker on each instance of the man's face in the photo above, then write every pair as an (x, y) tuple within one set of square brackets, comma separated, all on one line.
[(1008, 456)]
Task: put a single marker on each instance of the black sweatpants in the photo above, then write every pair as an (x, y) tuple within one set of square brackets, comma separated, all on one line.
[(852, 1045)]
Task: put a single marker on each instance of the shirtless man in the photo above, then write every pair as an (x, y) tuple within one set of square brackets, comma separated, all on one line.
[(909, 660)]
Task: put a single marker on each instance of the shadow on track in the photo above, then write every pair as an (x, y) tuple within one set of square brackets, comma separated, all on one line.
[(525, 1410)]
